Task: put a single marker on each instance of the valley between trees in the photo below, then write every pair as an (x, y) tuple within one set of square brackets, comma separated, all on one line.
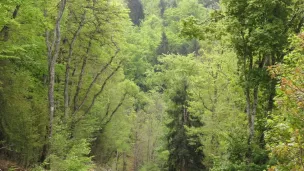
[(152, 85)]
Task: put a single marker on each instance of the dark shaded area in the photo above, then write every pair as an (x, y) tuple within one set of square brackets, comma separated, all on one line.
[(183, 148), (162, 7), (213, 4), (136, 11), (163, 48), (172, 3)]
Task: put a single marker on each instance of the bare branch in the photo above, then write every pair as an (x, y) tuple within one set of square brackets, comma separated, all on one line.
[(101, 89), (97, 94), (107, 112), (116, 109), (95, 79), (79, 84), (68, 61), (206, 106)]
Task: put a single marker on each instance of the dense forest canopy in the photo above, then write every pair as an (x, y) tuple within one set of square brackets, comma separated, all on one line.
[(152, 85)]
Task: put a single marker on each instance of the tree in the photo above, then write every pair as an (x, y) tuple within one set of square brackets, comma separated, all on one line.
[(22, 82), (259, 37), (136, 11), (172, 24), (90, 55), (185, 150), (52, 55), (285, 130)]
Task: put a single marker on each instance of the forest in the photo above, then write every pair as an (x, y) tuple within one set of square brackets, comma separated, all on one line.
[(152, 85)]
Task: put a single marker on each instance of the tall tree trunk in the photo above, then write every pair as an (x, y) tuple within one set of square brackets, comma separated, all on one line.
[(183, 168), (252, 105), (248, 111), (254, 110), (52, 57), (269, 109), (124, 167), (135, 151), (214, 100), (117, 159), (53, 52)]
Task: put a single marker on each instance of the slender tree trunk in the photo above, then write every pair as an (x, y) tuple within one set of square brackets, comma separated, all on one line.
[(254, 111), (248, 111), (252, 105), (117, 158), (79, 85), (149, 141), (124, 168), (269, 109), (53, 52), (66, 88), (214, 140), (53, 55), (249, 105), (51, 96), (185, 106), (183, 168), (135, 152)]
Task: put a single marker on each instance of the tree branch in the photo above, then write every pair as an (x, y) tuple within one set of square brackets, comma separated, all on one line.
[(96, 77), (97, 94), (68, 61), (101, 89), (107, 112), (79, 84), (116, 109)]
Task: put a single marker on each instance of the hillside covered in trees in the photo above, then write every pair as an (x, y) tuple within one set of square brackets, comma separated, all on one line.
[(152, 85)]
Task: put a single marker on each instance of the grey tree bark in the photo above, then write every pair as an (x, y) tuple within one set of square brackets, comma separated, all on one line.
[(53, 52), (53, 47)]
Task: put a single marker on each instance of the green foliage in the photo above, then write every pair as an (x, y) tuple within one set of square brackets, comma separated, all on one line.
[(172, 21), (76, 158), (149, 167), (168, 93), (15, 41), (23, 113), (284, 137), (183, 145), (141, 49)]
